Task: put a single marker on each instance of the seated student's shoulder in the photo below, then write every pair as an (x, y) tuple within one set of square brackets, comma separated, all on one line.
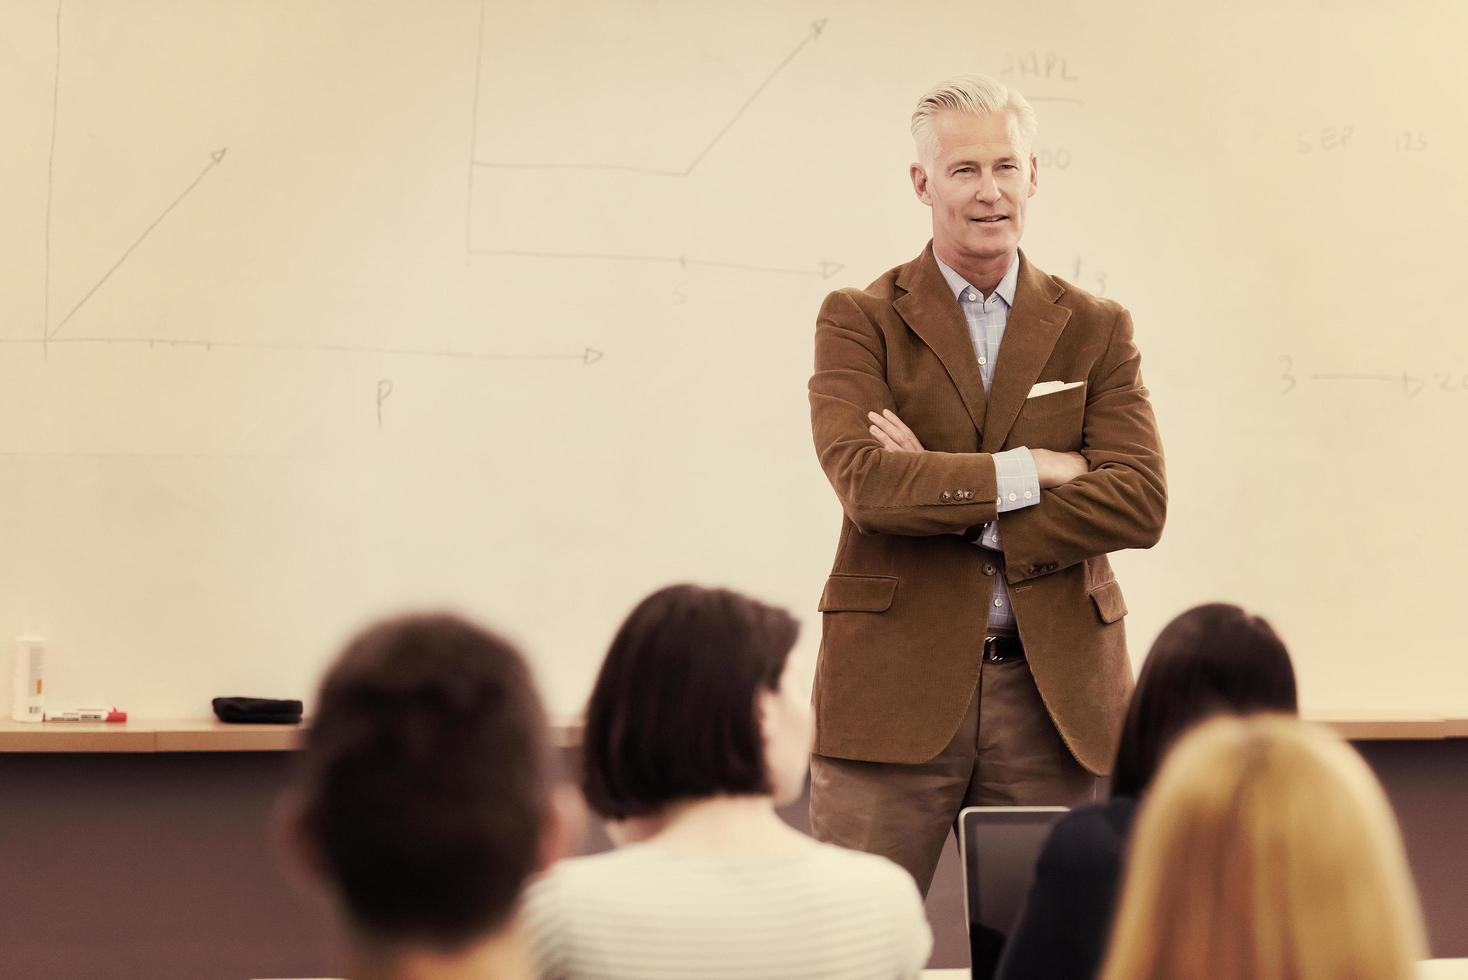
[(1088, 838), (863, 874), (560, 893), (590, 870), (880, 908), (580, 893)]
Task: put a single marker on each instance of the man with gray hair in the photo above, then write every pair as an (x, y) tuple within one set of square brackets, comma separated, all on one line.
[(986, 429)]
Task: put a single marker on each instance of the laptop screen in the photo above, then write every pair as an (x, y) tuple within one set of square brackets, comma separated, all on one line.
[(999, 846)]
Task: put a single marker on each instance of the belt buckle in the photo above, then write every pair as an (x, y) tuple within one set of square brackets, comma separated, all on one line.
[(997, 649)]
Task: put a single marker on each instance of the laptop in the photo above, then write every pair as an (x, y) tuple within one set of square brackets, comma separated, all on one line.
[(998, 846)]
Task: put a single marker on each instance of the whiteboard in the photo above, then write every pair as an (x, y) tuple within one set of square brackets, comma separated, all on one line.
[(317, 310)]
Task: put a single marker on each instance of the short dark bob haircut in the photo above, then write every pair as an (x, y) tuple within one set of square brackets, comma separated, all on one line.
[(1212, 659), (673, 713), (424, 782)]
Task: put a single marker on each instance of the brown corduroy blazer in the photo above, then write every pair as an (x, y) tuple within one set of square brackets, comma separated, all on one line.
[(905, 607)]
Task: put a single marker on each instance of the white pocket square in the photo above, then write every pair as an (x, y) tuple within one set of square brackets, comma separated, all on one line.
[(1051, 387)]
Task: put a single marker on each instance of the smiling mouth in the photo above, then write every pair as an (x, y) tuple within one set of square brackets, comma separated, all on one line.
[(991, 220)]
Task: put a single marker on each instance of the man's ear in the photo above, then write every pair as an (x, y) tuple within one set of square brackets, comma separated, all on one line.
[(920, 183), (1034, 175), (765, 713), (565, 825)]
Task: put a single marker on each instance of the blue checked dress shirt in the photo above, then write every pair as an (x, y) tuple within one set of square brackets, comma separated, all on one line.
[(1019, 484)]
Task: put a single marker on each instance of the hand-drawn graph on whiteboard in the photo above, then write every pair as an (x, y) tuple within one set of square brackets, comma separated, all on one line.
[(69, 318), (640, 184)]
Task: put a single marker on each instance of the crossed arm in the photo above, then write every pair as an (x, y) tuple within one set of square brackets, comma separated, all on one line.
[(1110, 496), (1054, 469), (1051, 469)]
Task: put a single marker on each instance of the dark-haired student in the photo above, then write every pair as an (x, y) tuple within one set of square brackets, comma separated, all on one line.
[(423, 804), (694, 733), (1211, 660)]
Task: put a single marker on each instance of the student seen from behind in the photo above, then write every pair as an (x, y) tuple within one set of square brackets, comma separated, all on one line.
[(1212, 659), (1266, 851), (695, 732), (423, 803)]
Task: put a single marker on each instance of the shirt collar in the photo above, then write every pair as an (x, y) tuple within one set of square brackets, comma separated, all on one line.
[(958, 284)]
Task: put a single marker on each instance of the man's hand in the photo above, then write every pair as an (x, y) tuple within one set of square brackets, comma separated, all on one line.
[(892, 433), (1054, 469), (1057, 469)]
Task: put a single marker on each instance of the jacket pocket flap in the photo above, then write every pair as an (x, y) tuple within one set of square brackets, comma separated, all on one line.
[(1109, 602), (858, 593)]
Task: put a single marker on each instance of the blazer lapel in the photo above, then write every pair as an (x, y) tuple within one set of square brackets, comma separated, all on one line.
[(1034, 325), (930, 309)]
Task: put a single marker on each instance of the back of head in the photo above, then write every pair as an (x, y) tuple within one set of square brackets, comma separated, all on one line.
[(1212, 659), (423, 785), (1265, 851), (673, 715)]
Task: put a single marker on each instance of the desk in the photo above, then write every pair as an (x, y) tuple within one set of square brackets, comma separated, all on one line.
[(167, 821), (211, 735)]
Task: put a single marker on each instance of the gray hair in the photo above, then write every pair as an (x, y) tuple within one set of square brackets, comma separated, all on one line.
[(976, 94)]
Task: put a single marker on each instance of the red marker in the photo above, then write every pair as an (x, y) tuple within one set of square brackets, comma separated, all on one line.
[(88, 714)]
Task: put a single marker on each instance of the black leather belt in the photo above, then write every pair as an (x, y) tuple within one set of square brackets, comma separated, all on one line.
[(998, 649)]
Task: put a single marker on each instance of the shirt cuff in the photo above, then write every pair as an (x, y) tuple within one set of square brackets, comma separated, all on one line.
[(1019, 486)]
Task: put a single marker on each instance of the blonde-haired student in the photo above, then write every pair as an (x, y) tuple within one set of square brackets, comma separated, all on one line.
[(1266, 850)]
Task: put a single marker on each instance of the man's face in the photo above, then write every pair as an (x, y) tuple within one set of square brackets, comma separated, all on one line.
[(978, 185)]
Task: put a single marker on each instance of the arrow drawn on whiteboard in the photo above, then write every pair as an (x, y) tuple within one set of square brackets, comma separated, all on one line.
[(811, 34), (214, 159), (587, 355), (815, 32), (825, 270)]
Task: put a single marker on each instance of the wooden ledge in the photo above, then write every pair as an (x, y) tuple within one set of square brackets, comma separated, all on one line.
[(1391, 727), (201, 735), (210, 735)]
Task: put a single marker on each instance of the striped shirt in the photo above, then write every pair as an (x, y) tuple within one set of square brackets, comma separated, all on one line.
[(646, 912), (1019, 485)]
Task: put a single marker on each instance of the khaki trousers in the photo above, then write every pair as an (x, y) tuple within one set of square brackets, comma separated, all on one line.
[(1006, 752)]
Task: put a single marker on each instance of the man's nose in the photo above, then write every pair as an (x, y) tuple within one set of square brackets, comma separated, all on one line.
[(988, 192)]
